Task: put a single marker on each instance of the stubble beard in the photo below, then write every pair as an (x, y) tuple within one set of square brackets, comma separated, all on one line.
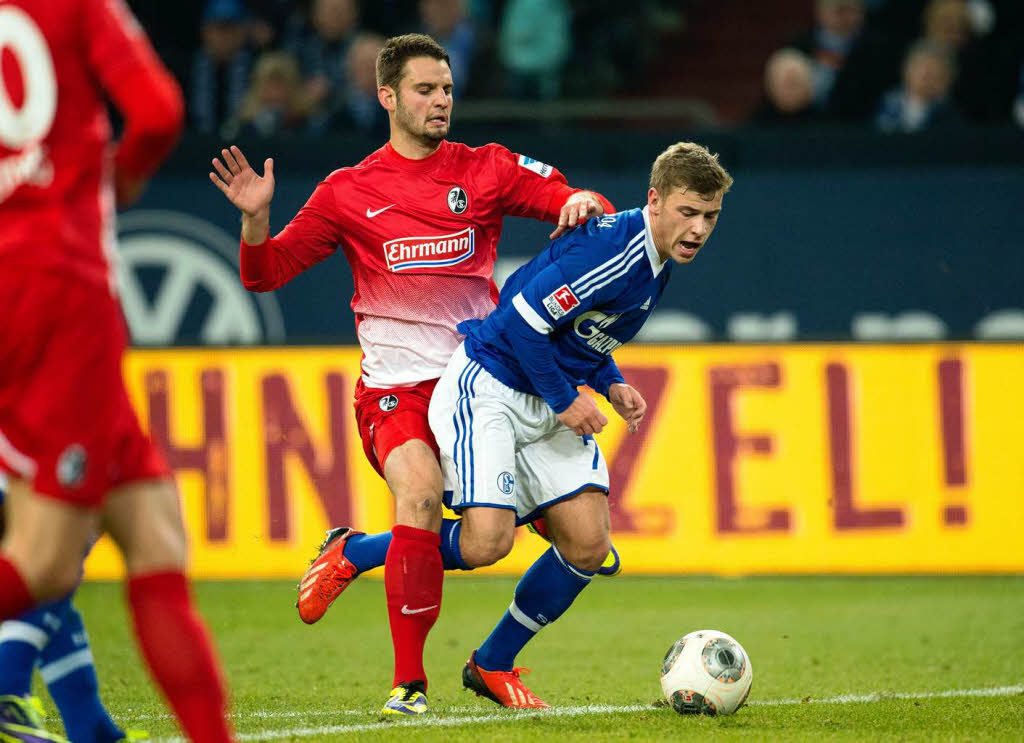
[(417, 130)]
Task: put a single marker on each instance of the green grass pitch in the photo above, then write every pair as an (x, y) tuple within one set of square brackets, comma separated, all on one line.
[(928, 659)]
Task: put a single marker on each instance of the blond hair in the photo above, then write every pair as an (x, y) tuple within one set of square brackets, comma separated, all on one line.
[(689, 166), (272, 65)]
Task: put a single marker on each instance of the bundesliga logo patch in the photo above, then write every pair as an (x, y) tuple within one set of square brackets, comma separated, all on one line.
[(388, 403), (541, 169), (407, 253), (561, 301)]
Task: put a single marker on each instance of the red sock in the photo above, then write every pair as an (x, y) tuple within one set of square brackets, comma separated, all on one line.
[(413, 575), (178, 652), (15, 598)]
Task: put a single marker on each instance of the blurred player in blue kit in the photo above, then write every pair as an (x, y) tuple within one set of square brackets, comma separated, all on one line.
[(515, 435), (53, 637)]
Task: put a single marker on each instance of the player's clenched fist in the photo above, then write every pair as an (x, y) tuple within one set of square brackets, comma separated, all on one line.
[(629, 404), (583, 416), (236, 179)]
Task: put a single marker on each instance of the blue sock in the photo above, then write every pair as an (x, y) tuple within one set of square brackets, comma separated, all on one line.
[(21, 642), (67, 668), (451, 552), (544, 593), (368, 551)]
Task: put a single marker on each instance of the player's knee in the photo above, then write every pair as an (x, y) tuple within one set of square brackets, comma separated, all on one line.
[(486, 548), (49, 576), (417, 507), (587, 552)]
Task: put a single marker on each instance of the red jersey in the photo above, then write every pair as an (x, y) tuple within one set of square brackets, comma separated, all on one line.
[(421, 237), (57, 60)]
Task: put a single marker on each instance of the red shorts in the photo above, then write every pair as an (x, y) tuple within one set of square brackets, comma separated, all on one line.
[(66, 424), (388, 418)]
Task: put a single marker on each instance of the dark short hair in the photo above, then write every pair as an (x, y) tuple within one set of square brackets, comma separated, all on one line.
[(400, 49)]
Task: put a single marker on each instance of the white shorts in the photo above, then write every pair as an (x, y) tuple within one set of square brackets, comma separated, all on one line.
[(506, 449)]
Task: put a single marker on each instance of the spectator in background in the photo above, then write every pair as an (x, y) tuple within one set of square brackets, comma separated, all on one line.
[(948, 22), (1018, 103), (357, 107), (853, 63), (275, 103), (321, 44), (448, 22), (923, 101), (220, 67), (838, 27), (269, 20), (789, 90), (985, 84), (533, 45)]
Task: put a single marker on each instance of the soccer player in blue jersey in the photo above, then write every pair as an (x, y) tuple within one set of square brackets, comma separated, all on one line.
[(53, 637), (515, 434)]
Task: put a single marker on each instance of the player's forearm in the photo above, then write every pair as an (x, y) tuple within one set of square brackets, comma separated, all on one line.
[(604, 376), (536, 358), (256, 227), (151, 103), (257, 266)]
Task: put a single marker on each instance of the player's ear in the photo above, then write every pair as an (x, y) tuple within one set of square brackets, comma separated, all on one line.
[(388, 97), (653, 200)]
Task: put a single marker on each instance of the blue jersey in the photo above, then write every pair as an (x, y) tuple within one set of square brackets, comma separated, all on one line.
[(560, 317)]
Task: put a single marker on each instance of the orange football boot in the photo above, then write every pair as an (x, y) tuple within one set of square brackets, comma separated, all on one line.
[(328, 575), (503, 687)]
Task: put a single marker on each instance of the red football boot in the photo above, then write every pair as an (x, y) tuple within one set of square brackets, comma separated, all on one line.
[(328, 575), (503, 687)]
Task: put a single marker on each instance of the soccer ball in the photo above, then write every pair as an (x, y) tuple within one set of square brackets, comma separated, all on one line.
[(706, 672)]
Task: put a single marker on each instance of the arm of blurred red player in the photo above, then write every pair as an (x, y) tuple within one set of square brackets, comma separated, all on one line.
[(145, 93)]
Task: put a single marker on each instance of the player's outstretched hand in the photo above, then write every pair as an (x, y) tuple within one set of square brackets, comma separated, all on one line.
[(583, 416), (629, 404), (236, 179), (578, 208)]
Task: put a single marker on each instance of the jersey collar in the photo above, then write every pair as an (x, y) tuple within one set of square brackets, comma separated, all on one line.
[(430, 162), (652, 252)]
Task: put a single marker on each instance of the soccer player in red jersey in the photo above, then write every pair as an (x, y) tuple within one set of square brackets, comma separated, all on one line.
[(70, 442), (419, 221)]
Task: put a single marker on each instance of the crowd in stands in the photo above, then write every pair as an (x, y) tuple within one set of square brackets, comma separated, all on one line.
[(901, 66), (280, 67)]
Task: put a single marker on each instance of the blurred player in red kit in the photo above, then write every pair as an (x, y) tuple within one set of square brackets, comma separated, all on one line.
[(70, 442), (419, 222)]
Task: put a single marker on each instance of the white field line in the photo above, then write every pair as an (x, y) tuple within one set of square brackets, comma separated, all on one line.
[(578, 711)]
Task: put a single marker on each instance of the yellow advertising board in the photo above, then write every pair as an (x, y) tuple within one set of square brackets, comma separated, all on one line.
[(752, 459)]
